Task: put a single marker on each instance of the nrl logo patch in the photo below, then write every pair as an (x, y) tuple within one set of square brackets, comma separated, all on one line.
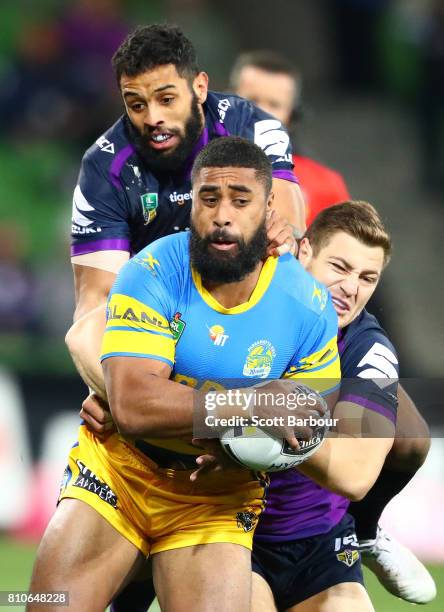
[(177, 326), (348, 557), (246, 520), (150, 202)]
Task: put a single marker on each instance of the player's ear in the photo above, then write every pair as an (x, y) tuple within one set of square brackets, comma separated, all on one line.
[(270, 200), (200, 87), (305, 252)]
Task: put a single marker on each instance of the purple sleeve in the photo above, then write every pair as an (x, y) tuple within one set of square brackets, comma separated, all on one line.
[(370, 375), (100, 214)]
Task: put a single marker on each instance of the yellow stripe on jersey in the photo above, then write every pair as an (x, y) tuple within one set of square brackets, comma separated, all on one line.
[(322, 380), (265, 277), (319, 359), (322, 369), (122, 342), (133, 328), (125, 311)]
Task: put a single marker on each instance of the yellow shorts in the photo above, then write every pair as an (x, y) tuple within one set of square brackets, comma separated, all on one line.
[(160, 509)]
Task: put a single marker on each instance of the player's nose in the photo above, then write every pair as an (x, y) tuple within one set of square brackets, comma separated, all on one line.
[(222, 214), (154, 116), (350, 286)]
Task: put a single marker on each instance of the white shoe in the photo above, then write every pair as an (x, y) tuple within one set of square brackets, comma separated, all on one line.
[(397, 569)]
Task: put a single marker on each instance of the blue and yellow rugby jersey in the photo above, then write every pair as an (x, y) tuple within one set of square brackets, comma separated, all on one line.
[(158, 309)]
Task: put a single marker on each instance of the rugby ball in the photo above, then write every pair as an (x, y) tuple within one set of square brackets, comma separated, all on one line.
[(255, 449)]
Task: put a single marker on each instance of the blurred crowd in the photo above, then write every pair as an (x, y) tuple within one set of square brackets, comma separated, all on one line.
[(57, 94)]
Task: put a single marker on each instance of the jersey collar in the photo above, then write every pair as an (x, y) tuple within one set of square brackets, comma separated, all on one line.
[(265, 278)]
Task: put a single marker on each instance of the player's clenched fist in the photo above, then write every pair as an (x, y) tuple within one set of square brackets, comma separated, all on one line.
[(97, 416)]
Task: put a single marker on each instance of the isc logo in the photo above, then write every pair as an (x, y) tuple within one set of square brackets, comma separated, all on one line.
[(271, 138), (222, 108), (105, 145)]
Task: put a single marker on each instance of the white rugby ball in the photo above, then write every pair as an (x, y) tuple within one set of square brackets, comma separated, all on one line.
[(257, 450)]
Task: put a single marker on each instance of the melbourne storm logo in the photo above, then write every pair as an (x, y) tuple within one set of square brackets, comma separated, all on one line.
[(90, 482), (348, 557)]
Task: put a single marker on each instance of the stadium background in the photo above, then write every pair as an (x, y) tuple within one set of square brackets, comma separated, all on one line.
[(373, 108)]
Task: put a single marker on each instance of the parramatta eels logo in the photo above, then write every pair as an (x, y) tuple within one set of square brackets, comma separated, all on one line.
[(150, 202), (321, 294), (347, 556), (259, 359), (246, 520)]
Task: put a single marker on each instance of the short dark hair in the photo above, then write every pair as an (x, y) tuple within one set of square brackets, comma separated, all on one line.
[(357, 219), (155, 45), (235, 152), (270, 61)]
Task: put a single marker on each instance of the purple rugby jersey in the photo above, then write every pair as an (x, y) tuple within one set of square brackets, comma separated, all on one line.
[(296, 506), (120, 204)]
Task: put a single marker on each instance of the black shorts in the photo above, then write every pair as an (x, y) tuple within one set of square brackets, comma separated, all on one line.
[(299, 569)]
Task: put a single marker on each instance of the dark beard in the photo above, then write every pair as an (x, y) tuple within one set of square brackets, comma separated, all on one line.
[(222, 267), (159, 161)]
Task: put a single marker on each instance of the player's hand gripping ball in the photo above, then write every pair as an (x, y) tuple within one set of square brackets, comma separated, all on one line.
[(257, 449)]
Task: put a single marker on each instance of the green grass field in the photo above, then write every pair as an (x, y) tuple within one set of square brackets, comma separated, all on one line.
[(16, 564)]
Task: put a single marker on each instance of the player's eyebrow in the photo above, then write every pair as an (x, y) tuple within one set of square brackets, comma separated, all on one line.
[(127, 94), (345, 263), (375, 272), (209, 188), (242, 188), (349, 267), (165, 87)]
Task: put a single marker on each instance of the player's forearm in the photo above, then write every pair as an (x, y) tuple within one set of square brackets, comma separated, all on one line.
[(151, 406), (289, 203), (347, 465), (299, 213), (91, 284), (84, 340)]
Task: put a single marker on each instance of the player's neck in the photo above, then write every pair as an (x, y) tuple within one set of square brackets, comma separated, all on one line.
[(230, 295)]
